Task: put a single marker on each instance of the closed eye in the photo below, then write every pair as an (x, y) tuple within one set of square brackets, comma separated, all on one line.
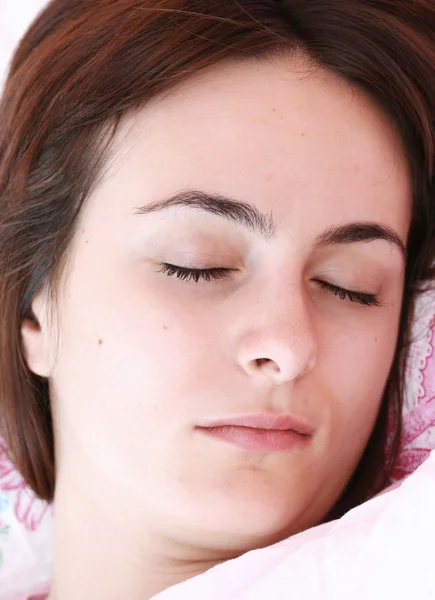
[(359, 297), (216, 273), (195, 274)]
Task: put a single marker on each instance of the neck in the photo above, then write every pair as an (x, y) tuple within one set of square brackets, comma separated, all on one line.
[(99, 553)]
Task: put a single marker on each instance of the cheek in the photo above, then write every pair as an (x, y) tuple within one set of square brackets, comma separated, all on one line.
[(120, 385), (357, 367), (132, 354)]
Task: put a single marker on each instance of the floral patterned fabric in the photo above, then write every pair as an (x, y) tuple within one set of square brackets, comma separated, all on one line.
[(38, 594), (418, 435), (26, 532)]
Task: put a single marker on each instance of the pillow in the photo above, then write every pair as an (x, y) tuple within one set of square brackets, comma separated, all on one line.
[(26, 534), (375, 551), (418, 416)]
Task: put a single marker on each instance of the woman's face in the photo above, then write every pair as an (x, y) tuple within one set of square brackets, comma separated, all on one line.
[(145, 357)]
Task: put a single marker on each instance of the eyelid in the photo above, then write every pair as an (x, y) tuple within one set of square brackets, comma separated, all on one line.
[(187, 273), (364, 298), (216, 273)]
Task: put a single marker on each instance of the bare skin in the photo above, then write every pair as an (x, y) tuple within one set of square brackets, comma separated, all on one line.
[(144, 499)]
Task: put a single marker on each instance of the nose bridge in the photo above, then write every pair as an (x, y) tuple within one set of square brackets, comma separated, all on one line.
[(282, 341)]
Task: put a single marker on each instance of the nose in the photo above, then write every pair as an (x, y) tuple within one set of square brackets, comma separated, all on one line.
[(279, 342)]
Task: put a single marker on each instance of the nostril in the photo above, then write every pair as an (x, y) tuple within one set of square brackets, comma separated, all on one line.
[(261, 361)]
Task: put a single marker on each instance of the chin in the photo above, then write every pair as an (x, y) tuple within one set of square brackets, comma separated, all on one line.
[(250, 524)]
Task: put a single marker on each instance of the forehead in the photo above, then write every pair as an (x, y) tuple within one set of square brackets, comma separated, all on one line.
[(274, 134)]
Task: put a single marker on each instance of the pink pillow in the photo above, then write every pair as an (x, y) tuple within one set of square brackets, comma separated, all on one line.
[(38, 594), (418, 434), (26, 534)]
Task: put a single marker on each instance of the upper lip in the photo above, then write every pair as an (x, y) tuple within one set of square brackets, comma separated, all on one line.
[(263, 421)]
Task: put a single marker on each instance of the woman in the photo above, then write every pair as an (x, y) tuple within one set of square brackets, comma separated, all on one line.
[(215, 217)]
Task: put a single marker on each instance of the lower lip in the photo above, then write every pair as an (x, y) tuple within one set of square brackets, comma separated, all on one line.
[(259, 440)]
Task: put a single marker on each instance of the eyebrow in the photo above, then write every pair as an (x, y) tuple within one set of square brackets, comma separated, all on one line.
[(250, 217)]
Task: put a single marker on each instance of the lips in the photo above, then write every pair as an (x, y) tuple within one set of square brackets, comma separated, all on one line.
[(265, 421), (260, 433)]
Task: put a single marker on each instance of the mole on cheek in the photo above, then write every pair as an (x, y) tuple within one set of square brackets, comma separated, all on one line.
[(100, 342)]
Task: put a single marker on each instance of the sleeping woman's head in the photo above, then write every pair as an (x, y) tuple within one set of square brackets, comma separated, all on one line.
[(212, 210)]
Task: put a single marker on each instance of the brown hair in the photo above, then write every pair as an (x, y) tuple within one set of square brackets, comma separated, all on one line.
[(84, 64)]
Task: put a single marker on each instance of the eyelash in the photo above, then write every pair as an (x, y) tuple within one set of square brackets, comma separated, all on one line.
[(216, 273)]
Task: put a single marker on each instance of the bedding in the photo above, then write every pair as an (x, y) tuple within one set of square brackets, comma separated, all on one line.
[(381, 549)]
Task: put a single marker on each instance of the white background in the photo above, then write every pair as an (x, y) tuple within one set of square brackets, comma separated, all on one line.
[(15, 17)]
